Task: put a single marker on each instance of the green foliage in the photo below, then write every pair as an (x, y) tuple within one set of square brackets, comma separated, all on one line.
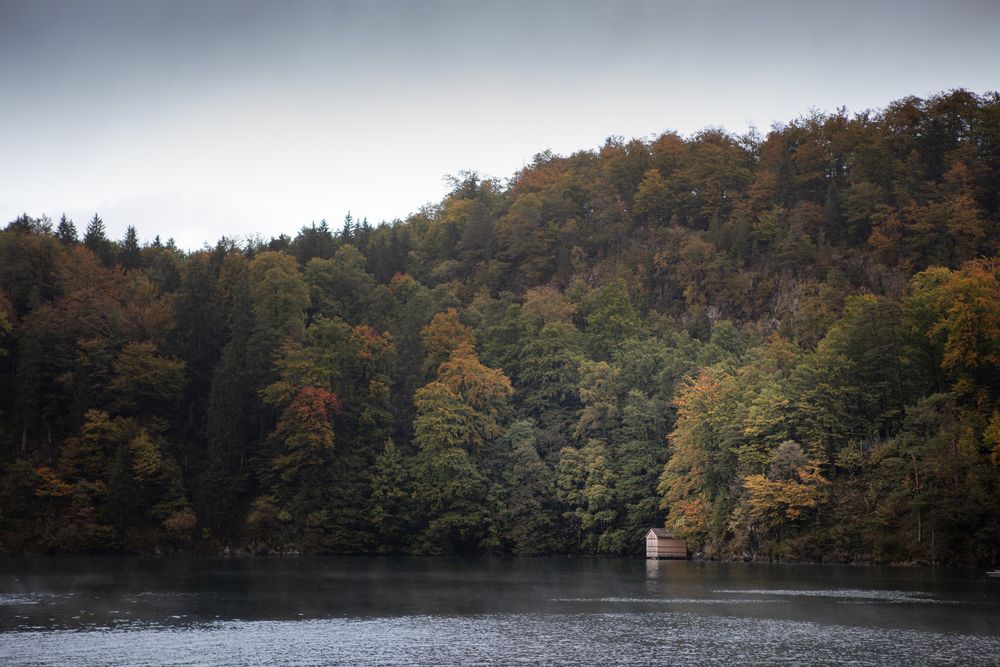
[(392, 513), (584, 486), (531, 514), (145, 381), (781, 347)]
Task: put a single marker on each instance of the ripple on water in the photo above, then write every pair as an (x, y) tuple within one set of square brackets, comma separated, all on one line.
[(18, 598), (29, 598), (648, 638), (839, 593), (726, 601)]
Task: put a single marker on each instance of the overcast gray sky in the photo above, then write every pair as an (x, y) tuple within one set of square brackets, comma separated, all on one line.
[(197, 119)]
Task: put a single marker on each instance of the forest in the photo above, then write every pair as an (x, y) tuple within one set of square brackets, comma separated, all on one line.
[(780, 345)]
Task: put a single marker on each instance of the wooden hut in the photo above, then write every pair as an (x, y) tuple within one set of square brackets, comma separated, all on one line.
[(661, 543)]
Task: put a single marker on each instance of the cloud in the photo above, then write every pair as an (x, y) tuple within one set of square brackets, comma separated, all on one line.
[(193, 119)]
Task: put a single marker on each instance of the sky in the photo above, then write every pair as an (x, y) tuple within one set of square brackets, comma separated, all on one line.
[(197, 119)]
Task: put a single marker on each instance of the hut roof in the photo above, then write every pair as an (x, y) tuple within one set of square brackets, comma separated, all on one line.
[(661, 532)]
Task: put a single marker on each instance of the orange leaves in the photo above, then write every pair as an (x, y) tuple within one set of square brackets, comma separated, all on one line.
[(332, 355), (972, 322), (887, 237), (50, 485), (463, 406), (305, 431), (481, 387), (701, 392), (444, 335), (313, 403), (402, 284), (98, 302), (685, 484), (771, 502), (961, 310), (689, 517), (371, 344), (181, 524)]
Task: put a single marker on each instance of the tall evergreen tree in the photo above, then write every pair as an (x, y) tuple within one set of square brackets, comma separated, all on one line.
[(66, 231), (97, 242), (129, 252)]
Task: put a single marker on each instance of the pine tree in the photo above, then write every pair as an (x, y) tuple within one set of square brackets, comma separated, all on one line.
[(97, 242), (130, 254), (347, 231), (66, 232)]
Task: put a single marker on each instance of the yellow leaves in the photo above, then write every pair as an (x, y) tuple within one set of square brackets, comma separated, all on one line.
[(278, 393), (704, 405), (444, 335), (549, 304), (50, 485), (444, 420), (653, 199), (771, 503), (462, 407), (266, 517), (456, 210), (180, 525), (972, 323), (697, 395), (97, 425), (146, 458), (765, 414), (480, 386), (960, 310)]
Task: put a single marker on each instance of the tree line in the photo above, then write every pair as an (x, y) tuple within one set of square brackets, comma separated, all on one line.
[(779, 346)]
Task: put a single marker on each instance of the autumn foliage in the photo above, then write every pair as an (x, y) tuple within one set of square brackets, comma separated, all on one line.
[(782, 346)]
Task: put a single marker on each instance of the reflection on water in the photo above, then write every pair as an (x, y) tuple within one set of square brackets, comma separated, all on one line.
[(493, 611)]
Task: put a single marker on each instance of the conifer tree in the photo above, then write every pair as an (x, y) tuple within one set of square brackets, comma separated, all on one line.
[(96, 241), (66, 231)]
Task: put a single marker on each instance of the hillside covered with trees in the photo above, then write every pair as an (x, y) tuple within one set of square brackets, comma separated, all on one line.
[(782, 346)]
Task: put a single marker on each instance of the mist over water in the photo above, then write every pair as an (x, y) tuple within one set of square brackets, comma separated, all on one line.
[(385, 610)]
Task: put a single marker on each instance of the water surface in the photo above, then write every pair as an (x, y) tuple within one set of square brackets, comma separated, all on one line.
[(383, 610)]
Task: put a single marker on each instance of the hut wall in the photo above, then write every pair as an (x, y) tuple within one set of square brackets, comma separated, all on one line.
[(660, 547)]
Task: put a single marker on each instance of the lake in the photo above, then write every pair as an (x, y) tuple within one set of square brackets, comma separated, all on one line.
[(387, 610)]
